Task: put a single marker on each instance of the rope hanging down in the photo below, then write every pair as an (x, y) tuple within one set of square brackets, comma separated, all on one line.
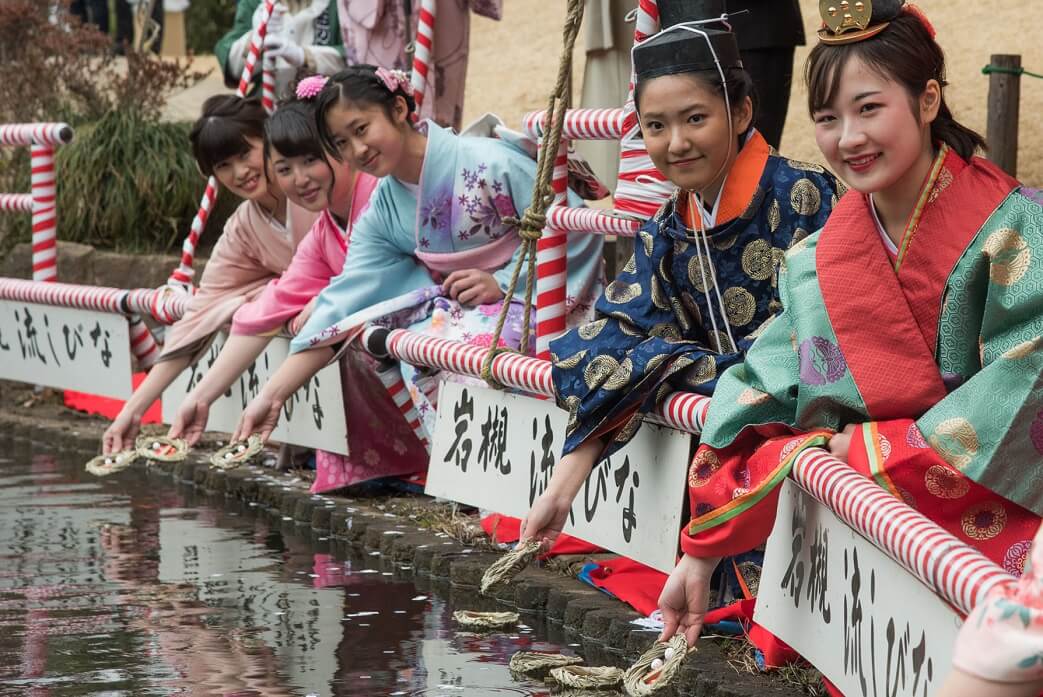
[(532, 222)]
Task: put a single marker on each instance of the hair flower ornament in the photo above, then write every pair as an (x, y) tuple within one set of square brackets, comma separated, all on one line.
[(395, 80), (309, 87)]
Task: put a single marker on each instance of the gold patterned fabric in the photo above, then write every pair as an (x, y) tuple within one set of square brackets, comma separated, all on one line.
[(667, 321)]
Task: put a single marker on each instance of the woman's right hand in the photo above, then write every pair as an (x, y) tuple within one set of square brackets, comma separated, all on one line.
[(546, 518), (190, 421), (121, 432), (260, 416)]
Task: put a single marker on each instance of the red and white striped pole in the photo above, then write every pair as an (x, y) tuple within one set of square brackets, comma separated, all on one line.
[(154, 302), (641, 189), (142, 344), (182, 275), (957, 572), (268, 84), (45, 215), (423, 55), (391, 378), (552, 265)]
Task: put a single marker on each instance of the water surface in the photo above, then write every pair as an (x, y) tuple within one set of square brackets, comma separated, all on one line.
[(133, 585)]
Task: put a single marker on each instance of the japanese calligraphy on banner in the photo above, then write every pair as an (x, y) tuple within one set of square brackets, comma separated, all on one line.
[(312, 417), (855, 614), (497, 451), (66, 348)]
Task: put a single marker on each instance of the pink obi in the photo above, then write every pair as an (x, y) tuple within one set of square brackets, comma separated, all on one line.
[(489, 257)]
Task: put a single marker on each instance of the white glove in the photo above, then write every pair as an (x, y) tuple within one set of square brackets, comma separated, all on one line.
[(281, 47)]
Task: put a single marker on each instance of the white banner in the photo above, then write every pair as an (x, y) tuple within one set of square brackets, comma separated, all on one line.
[(312, 417), (497, 451), (855, 614), (64, 347)]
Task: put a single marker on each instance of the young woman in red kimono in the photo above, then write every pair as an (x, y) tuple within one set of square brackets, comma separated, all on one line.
[(910, 335)]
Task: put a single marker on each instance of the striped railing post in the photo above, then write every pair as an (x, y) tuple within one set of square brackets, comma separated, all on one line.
[(423, 56), (552, 265)]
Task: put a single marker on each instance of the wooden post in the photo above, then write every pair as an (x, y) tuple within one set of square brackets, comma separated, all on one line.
[(1004, 105)]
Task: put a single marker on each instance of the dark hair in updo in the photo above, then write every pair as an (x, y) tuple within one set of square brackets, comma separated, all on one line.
[(358, 84), (291, 131), (904, 52), (222, 130)]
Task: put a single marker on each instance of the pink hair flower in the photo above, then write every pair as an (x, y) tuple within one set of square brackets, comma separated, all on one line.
[(395, 80), (309, 87)]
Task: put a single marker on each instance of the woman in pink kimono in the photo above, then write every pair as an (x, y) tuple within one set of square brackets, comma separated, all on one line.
[(256, 245), (381, 443)]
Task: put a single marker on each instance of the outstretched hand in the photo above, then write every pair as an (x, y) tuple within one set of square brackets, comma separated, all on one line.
[(546, 519), (190, 421), (121, 433), (685, 597), (260, 416)]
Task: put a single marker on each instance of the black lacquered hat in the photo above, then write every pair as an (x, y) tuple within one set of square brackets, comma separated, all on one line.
[(687, 47)]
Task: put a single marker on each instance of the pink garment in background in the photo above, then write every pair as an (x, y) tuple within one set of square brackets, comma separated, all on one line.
[(319, 258), (376, 32), (252, 250)]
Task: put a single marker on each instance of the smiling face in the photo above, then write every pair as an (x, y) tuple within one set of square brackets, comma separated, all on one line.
[(367, 137), (684, 123), (243, 174), (874, 134), (306, 179)]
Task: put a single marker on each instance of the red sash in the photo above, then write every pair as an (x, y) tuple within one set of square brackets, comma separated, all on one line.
[(886, 321)]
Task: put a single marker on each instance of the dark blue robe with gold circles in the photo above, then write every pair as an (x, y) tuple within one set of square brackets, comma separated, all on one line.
[(652, 334)]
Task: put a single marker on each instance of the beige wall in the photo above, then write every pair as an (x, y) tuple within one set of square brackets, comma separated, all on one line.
[(513, 64)]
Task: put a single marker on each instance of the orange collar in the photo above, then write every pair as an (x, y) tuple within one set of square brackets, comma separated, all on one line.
[(740, 185)]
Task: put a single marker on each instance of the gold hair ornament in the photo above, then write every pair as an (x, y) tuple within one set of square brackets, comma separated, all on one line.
[(847, 21)]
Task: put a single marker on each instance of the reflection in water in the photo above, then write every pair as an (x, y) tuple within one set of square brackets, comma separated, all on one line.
[(129, 586)]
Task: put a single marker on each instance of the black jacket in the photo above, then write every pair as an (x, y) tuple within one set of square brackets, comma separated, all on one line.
[(768, 24)]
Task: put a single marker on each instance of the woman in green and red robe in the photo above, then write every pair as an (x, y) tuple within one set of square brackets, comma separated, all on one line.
[(909, 343)]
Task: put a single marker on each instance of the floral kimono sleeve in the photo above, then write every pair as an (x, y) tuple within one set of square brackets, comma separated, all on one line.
[(1002, 639), (611, 372)]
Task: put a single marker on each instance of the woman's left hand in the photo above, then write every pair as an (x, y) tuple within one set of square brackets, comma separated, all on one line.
[(472, 287), (840, 443)]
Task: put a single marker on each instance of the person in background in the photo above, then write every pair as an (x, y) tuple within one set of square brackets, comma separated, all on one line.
[(380, 32), (768, 32), (303, 35)]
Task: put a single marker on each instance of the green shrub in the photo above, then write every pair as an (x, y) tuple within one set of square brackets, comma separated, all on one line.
[(128, 183), (206, 21)]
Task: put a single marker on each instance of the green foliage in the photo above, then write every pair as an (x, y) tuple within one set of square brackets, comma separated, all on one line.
[(206, 21), (128, 183)]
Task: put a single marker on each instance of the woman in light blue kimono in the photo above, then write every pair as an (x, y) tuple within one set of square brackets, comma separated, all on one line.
[(434, 251)]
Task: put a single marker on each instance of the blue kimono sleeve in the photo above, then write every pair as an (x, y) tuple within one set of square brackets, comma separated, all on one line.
[(610, 373), (379, 265)]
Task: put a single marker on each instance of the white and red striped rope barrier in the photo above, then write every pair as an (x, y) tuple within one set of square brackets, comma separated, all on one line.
[(158, 303), (27, 134), (16, 203), (580, 124), (424, 52), (683, 411), (182, 276), (955, 571), (592, 220)]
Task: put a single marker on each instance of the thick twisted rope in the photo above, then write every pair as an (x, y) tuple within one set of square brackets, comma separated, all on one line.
[(534, 220)]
